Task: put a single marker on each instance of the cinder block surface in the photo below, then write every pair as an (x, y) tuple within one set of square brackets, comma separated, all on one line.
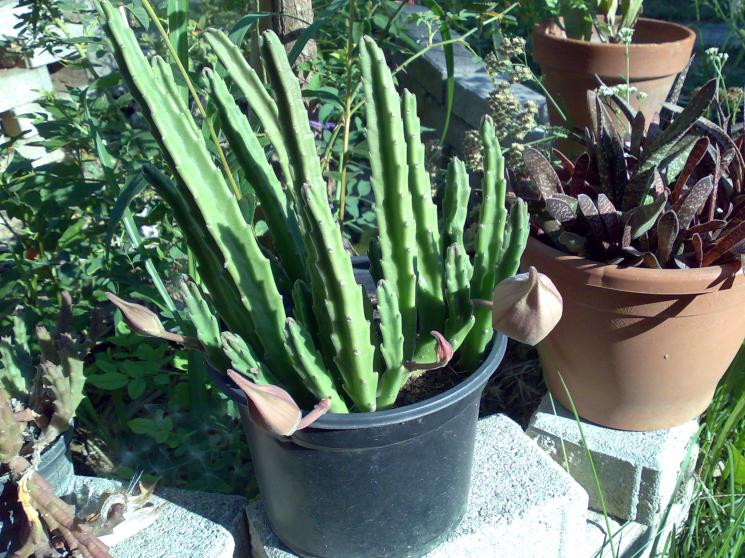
[(473, 85), (638, 471), (20, 86), (522, 504), (191, 524)]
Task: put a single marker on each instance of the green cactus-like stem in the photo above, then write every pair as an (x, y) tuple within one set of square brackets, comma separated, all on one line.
[(59, 385), (250, 155), (429, 300), (519, 226), (11, 433), (244, 261), (460, 318), (243, 359), (337, 301), (390, 176), (344, 305), (254, 92), (310, 366), (392, 346), (489, 238), (224, 292), (455, 204), (14, 377), (205, 324)]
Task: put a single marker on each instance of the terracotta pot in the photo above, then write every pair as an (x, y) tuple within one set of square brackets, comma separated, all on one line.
[(659, 52), (639, 348)]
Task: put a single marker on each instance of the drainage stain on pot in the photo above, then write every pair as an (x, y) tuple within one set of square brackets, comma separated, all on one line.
[(392, 483)]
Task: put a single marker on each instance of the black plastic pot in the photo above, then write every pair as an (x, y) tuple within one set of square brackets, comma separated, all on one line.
[(387, 484), (55, 466)]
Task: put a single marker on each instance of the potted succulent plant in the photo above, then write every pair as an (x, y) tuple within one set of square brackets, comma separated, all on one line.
[(643, 239), (38, 399), (605, 42), (360, 474)]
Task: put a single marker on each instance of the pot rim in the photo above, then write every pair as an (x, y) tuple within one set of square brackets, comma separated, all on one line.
[(61, 439), (637, 279), (354, 421), (687, 34)]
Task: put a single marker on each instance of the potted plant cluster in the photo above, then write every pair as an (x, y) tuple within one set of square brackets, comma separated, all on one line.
[(604, 42), (38, 400), (643, 239), (290, 330)]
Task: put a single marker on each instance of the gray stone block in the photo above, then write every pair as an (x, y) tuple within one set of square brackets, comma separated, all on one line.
[(631, 539), (473, 85), (191, 524), (20, 86), (638, 471), (522, 504)]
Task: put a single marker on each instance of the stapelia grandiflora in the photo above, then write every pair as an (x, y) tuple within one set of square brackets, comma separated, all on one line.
[(273, 409), (525, 307)]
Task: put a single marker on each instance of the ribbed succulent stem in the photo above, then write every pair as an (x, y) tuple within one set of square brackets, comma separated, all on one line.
[(311, 368), (460, 318), (243, 359), (259, 173), (244, 260), (205, 324), (254, 92), (455, 204), (337, 300), (392, 345), (519, 226), (390, 176), (429, 299), (210, 263), (344, 305), (489, 237)]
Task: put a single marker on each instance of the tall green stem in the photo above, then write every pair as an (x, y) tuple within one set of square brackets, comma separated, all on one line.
[(195, 96), (347, 113)]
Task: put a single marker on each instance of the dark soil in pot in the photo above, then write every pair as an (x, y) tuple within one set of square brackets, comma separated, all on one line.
[(56, 467), (392, 483)]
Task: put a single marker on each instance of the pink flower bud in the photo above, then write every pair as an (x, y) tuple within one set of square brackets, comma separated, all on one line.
[(526, 307)]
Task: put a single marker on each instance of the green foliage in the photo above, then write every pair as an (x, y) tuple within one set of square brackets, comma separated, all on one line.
[(715, 522), (660, 200), (83, 224)]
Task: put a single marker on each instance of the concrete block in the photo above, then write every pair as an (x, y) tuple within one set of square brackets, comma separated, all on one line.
[(20, 86), (638, 471), (522, 504), (473, 85), (190, 525), (20, 120), (631, 539)]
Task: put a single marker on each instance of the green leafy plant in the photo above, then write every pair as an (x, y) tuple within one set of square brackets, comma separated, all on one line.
[(606, 19), (330, 349), (669, 197), (38, 400), (715, 523)]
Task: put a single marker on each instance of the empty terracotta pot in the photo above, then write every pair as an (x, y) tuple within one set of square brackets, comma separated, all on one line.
[(659, 52), (639, 348)]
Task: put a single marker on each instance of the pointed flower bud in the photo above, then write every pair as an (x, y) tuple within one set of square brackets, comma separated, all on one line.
[(273, 409), (526, 307), (141, 320), (144, 321), (444, 355)]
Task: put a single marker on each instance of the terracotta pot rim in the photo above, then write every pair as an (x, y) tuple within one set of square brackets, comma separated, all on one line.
[(638, 279), (687, 34)]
